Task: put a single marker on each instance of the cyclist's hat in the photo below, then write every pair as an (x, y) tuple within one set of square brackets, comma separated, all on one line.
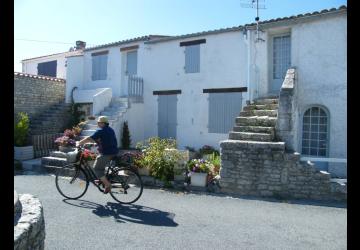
[(103, 119)]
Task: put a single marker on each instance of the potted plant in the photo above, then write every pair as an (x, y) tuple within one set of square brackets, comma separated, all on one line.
[(206, 151), (159, 158), (198, 170), (89, 156), (67, 141), (133, 158), (22, 150)]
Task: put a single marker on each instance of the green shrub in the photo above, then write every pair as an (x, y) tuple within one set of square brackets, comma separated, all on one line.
[(125, 139), (21, 129), (160, 156)]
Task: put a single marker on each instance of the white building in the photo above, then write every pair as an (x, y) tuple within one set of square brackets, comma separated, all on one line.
[(51, 65), (193, 86)]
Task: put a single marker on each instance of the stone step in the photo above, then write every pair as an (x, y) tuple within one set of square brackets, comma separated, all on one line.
[(272, 113), (94, 122), (115, 109), (246, 136), (254, 129), (88, 132), (261, 107), (263, 121), (266, 101), (58, 154), (91, 126), (112, 113), (53, 161)]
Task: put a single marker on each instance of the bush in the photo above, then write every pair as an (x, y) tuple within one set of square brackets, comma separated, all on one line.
[(21, 129), (208, 150), (125, 139), (160, 156)]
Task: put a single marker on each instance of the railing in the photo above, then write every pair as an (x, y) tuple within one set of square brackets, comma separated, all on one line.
[(135, 86), (43, 144)]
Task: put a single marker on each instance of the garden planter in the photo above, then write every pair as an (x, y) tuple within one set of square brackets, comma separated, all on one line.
[(24, 153), (65, 149), (198, 179)]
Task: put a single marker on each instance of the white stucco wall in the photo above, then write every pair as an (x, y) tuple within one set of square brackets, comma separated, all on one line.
[(116, 66), (320, 55), (30, 66), (75, 75), (223, 64)]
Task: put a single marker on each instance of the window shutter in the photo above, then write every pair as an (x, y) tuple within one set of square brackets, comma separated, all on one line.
[(131, 62), (192, 58)]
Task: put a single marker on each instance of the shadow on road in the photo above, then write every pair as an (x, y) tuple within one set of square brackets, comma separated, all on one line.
[(128, 213)]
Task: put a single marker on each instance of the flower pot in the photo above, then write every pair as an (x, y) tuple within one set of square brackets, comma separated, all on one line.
[(24, 153), (65, 149), (198, 179)]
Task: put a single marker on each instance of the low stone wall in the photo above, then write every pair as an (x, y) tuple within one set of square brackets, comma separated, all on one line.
[(29, 224), (264, 169), (35, 94)]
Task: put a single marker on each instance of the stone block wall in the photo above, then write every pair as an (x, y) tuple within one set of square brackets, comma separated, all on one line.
[(35, 94), (265, 169), (29, 224)]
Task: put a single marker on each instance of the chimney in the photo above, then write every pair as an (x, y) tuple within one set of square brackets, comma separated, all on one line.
[(80, 45)]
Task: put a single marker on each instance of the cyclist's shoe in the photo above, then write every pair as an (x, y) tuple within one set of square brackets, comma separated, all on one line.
[(107, 190)]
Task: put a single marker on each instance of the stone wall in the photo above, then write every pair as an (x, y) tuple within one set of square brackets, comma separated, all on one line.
[(35, 94), (29, 224), (265, 169)]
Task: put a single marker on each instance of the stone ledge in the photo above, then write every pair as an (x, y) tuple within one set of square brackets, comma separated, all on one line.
[(235, 144), (29, 232)]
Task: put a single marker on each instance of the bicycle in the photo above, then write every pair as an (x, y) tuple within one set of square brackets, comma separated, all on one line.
[(72, 180)]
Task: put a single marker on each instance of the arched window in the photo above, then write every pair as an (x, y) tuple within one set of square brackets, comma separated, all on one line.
[(315, 132)]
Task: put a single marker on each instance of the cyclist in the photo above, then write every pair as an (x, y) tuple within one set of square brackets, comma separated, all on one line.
[(105, 138)]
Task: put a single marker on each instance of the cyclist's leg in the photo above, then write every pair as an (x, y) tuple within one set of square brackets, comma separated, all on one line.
[(99, 167)]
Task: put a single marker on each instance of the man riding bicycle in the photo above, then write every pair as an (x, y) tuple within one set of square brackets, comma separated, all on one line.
[(105, 138)]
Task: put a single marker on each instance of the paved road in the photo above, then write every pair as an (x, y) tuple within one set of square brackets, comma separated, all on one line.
[(174, 220)]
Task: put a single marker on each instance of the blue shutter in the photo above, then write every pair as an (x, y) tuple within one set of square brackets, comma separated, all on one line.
[(223, 109), (167, 116), (131, 63), (99, 67), (162, 116), (192, 58)]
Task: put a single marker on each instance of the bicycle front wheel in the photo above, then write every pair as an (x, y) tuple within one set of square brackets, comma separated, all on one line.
[(126, 186), (72, 183)]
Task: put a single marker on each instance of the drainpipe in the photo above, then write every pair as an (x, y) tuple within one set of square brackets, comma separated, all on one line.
[(249, 89)]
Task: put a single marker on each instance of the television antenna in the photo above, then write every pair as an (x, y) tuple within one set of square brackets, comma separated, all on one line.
[(255, 4)]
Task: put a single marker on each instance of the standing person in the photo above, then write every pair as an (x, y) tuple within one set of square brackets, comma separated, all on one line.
[(105, 138)]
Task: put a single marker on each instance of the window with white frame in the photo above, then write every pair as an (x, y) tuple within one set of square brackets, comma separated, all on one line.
[(99, 66), (315, 132)]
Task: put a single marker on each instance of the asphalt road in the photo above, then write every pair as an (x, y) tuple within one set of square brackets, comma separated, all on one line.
[(174, 220)]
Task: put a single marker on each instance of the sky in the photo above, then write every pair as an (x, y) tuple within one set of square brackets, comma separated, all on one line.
[(55, 25)]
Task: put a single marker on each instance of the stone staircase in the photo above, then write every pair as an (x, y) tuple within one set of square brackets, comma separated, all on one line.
[(256, 122), (48, 121), (253, 162), (115, 112)]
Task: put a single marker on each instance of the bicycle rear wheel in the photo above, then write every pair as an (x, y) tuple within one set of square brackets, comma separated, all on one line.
[(71, 182), (127, 185)]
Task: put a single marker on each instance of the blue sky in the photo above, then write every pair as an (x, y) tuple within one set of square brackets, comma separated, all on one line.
[(104, 21)]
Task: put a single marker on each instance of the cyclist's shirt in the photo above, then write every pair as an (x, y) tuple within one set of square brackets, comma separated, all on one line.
[(106, 140)]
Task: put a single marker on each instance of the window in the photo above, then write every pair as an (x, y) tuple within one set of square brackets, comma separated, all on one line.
[(192, 55), (223, 109), (131, 63), (99, 66), (192, 58), (47, 68), (315, 132)]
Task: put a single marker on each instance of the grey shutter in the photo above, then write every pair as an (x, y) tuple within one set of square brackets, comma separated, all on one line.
[(99, 67), (192, 58), (131, 63), (162, 116), (223, 109), (172, 115), (167, 116)]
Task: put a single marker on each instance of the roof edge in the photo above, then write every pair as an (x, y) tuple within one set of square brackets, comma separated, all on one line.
[(49, 78)]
